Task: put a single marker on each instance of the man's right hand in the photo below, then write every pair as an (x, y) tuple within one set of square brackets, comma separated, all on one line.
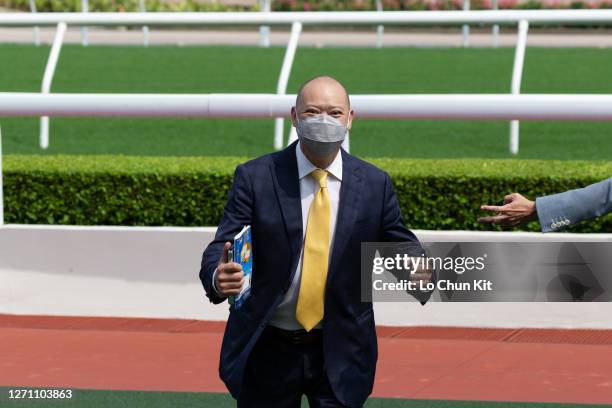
[(516, 210), (229, 278)]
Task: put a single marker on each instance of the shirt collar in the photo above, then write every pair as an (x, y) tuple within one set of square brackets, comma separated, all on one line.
[(305, 167)]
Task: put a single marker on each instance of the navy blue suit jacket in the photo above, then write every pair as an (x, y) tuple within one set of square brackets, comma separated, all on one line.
[(266, 194)]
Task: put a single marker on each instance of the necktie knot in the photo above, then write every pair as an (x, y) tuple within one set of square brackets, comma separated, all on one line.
[(320, 176)]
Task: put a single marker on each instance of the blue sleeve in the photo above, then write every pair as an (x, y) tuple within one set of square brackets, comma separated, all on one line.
[(561, 210), (236, 214), (393, 228)]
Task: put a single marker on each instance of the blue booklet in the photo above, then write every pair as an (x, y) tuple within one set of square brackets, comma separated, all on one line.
[(242, 253)]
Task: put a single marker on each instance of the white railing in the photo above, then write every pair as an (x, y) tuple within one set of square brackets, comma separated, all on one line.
[(335, 18), (446, 106), (572, 107), (522, 18)]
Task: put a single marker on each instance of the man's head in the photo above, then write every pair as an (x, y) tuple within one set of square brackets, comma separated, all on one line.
[(322, 115), (323, 94)]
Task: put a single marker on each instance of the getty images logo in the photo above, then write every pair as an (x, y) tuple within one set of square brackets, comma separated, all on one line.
[(412, 264)]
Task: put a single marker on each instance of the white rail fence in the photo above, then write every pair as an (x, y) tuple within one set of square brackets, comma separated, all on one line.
[(592, 107), (521, 18), (571, 107)]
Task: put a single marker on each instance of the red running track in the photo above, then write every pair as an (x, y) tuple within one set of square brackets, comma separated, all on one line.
[(534, 365)]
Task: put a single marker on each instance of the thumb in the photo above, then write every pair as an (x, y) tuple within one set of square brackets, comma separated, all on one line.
[(511, 197), (226, 248)]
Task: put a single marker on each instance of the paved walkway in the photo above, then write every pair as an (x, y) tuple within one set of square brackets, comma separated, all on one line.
[(531, 365), (279, 36)]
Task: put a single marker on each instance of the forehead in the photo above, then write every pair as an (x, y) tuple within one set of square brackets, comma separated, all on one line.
[(323, 93)]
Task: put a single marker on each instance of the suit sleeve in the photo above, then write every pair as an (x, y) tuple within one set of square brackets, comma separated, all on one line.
[(561, 210), (394, 230), (236, 214)]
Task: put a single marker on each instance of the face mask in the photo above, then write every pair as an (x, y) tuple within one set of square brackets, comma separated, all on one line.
[(322, 134)]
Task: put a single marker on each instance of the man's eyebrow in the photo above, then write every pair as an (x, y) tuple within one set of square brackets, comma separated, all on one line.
[(324, 107)]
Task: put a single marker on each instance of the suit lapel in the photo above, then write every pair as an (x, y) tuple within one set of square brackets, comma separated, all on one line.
[(348, 208), (287, 186)]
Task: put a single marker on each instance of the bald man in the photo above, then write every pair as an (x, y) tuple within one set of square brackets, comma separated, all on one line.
[(303, 330)]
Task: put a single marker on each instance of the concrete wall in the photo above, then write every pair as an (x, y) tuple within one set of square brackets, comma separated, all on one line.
[(153, 272)]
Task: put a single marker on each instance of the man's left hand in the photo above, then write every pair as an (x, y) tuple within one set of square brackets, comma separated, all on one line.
[(423, 275)]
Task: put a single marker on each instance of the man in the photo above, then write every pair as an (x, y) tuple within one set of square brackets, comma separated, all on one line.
[(554, 211), (303, 330)]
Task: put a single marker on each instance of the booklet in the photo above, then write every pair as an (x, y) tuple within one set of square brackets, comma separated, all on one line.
[(242, 253)]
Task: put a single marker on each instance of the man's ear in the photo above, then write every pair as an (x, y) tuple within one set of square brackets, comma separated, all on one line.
[(349, 122), (294, 116)]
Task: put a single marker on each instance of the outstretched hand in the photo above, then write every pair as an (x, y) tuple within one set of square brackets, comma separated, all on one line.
[(516, 210)]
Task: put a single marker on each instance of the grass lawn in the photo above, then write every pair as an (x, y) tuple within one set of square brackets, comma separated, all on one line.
[(146, 399), (163, 69)]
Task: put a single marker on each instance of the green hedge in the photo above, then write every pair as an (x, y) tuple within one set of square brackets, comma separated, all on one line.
[(123, 190)]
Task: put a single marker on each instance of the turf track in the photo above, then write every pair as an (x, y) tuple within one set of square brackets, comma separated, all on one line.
[(163, 69)]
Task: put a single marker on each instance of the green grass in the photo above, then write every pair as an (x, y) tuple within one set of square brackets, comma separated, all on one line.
[(164, 69), (146, 399)]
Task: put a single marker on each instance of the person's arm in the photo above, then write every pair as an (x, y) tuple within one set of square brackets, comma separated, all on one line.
[(554, 211), (560, 210), (394, 230), (236, 214)]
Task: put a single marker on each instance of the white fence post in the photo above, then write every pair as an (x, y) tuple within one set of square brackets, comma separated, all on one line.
[(84, 33), (495, 26), (517, 74), (48, 78), (380, 29), (283, 79), (36, 29), (145, 29), (466, 28), (264, 31)]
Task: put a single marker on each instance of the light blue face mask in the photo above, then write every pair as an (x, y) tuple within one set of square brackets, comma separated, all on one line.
[(321, 134)]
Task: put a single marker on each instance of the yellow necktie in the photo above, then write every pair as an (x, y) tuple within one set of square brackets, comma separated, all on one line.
[(309, 310)]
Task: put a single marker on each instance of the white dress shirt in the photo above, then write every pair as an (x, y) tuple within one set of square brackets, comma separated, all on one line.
[(284, 315)]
